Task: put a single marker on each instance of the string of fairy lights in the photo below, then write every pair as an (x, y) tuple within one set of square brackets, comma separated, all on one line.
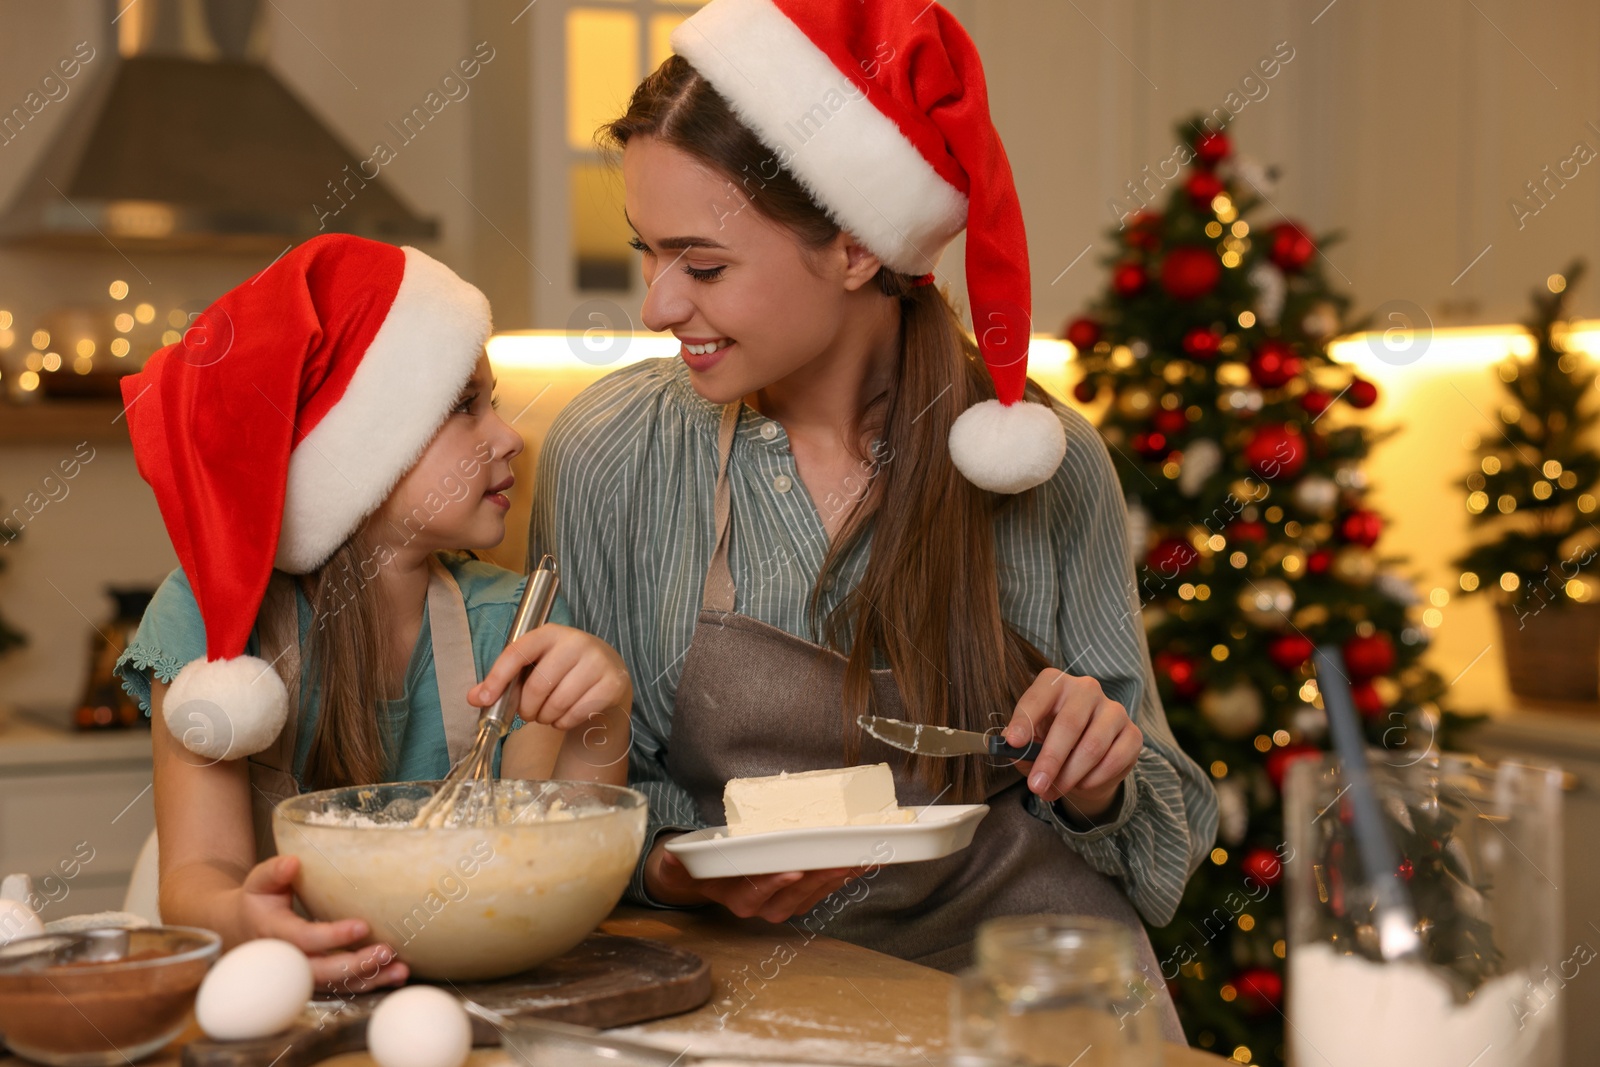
[(87, 343)]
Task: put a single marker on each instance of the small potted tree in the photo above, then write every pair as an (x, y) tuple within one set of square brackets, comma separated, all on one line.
[(1533, 497)]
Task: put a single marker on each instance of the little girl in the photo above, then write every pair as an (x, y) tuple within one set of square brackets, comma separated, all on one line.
[(322, 444)]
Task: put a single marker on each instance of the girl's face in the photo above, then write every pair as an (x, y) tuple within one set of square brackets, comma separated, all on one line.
[(456, 496), (720, 271)]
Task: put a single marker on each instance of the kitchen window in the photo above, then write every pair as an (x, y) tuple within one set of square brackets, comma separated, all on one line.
[(588, 55)]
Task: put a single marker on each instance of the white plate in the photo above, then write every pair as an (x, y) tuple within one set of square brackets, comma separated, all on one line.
[(938, 831)]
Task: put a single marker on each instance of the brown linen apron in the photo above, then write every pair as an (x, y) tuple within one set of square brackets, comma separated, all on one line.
[(456, 671), (756, 700)]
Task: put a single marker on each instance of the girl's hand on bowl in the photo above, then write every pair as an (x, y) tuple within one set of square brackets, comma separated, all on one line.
[(266, 909), (576, 677)]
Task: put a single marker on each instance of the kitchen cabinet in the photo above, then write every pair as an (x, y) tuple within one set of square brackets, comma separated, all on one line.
[(74, 811)]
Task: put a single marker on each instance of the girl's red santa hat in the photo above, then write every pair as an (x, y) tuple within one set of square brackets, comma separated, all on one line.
[(879, 109), (278, 424)]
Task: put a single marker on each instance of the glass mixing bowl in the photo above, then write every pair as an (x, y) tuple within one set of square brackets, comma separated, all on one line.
[(466, 903), (102, 996)]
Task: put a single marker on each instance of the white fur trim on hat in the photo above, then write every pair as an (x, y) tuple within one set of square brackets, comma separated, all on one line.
[(1007, 448), (848, 155), (226, 708), (406, 383)]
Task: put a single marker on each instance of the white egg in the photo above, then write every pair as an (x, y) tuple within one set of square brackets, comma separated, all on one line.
[(255, 990), (419, 1026), (17, 920)]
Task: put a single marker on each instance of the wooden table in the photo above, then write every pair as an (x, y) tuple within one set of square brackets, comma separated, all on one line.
[(776, 992)]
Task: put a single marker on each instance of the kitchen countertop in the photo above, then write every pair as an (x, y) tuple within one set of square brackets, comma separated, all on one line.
[(824, 998), (28, 744)]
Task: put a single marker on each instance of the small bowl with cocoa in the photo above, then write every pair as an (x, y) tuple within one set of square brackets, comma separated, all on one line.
[(99, 997)]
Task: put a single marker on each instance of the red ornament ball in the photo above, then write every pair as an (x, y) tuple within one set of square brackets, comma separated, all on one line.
[(1274, 364), (1203, 187), (1405, 870), (1211, 148), (1289, 246), (1260, 988), (1369, 656), (1190, 271), (1362, 393), (1172, 556), (1248, 531), (1086, 391), (1083, 333), (1275, 451), (1150, 444), (1279, 760), (1314, 402), (1145, 232), (1128, 279), (1263, 865), (1319, 561), (1290, 651), (1170, 422), (1361, 527), (1368, 701), (1201, 342), (1180, 670)]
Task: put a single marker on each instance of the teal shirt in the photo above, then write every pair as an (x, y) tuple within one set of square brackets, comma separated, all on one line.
[(172, 633)]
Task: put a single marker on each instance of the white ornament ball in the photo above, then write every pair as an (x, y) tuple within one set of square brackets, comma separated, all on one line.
[(1200, 461), (17, 920), (1308, 722), (1398, 588), (255, 990), (1321, 321), (1138, 530), (1260, 177), (1316, 494), (1233, 812), (1234, 711), (226, 708), (1271, 288), (419, 1026)]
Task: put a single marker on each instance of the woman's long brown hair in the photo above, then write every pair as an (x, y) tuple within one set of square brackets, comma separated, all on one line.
[(929, 603)]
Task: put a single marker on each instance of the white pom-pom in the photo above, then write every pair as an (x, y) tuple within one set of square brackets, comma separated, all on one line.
[(1007, 448), (226, 708)]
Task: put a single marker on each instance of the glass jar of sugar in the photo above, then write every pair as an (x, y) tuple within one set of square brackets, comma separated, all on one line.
[(1055, 990)]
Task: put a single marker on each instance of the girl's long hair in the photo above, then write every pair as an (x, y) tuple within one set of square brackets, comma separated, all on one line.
[(928, 605), (348, 663)]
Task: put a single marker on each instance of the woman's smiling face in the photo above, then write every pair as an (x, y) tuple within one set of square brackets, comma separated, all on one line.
[(719, 271)]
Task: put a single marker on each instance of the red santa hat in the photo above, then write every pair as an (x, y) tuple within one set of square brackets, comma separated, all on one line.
[(275, 427), (880, 111)]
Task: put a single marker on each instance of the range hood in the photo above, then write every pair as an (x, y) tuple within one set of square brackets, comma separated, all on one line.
[(185, 141)]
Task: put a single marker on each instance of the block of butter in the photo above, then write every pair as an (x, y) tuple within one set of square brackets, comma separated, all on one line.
[(847, 796)]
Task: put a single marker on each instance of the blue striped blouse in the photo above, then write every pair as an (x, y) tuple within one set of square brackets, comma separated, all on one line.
[(624, 501)]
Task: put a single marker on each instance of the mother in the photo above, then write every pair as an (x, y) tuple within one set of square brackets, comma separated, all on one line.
[(789, 525)]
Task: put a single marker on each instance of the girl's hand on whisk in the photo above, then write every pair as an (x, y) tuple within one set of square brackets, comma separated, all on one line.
[(575, 677)]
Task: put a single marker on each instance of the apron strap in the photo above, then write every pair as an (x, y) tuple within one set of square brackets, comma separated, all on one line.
[(454, 666), (272, 770), (455, 670), (718, 592)]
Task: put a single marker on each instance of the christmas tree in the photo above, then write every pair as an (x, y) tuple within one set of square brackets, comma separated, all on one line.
[(1239, 449), (1534, 490)]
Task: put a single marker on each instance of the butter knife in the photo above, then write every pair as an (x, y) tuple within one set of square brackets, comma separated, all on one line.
[(927, 740)]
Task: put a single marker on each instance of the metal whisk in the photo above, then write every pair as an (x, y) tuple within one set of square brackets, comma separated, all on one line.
[(467, 796)]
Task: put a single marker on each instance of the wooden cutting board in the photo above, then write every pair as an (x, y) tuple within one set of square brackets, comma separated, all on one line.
[(606, 981)]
